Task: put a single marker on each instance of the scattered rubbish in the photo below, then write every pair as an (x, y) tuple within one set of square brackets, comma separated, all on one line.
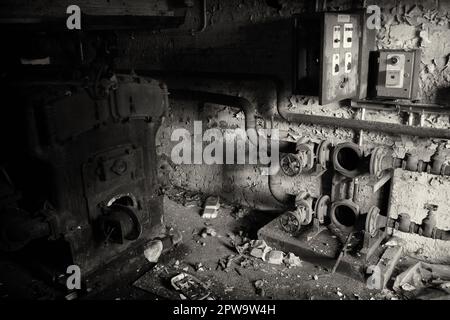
[(291, 260), (424, 281), (445, 285), (158, 268), (208, 231), (258, 244), (199, 267), (190, 287), (275, 257), (174, 237), (240, 212), (259, 249), (184, 197), (257, 253), (259, 284), (225, 263), (211, 210), (412, 278), (228, 289), (241, 249), (316, 277), (153, 250), (408, 287)]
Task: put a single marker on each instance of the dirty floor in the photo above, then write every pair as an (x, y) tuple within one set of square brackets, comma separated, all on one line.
[(235, 280)]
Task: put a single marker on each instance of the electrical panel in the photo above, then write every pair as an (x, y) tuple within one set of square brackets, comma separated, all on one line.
[(326, 53), (397, 74)]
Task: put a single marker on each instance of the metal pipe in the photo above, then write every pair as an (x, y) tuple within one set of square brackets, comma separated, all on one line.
[(347, 159), (243, 104), (361, 132), (204, 18), (249, 111), (375, 126)]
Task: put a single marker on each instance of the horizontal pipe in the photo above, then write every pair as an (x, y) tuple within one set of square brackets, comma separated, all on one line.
[(281, 90), (250, 122), (243, 104), (375, 126), (427, 108)]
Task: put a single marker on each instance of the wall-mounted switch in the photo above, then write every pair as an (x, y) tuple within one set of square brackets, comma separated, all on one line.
[(327, 49), (397, 74)]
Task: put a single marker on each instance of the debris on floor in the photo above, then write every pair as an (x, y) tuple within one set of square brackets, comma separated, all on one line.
[(199, 267), (184, 197), (291, 260), (153, 250), (190, 287), (208, 231), (240, 212), (259, 249), (275, 257), (423, 280), (211, 208), (259, 290), (227, 264)]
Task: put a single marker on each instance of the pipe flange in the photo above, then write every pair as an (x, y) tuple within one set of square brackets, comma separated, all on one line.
[(347, 159), (376, 167), (323, 153), (321, 208), (344, 215), (304, 207), (371, 225), (305, 152)]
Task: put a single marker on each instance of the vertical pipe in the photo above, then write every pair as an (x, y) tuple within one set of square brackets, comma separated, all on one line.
[(361, 132)]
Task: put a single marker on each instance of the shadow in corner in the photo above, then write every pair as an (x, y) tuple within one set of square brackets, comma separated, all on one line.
[(443, 96)]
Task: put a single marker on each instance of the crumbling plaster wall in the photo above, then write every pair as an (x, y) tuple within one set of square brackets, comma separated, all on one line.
[(252, 37)]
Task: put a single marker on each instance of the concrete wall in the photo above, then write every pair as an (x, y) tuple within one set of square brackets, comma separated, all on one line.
[(254, 37)]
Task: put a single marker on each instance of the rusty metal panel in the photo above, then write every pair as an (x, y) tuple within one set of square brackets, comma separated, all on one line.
[(340, 52), (398, 72), (367, 43), (327, 49), (98, 161)]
